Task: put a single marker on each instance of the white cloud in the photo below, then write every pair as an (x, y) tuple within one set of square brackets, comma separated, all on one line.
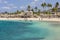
[(34, 3), (0, 1), (11, 5), (35, 0), (14, 7), (22, 7), (5, 2), (6, 8), (44, 0)]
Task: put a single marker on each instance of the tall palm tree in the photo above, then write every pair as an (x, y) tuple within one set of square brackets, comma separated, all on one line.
[(55, 10), (57, 4), (22, 10), (36, 8), (39, 13), (56, 7), (29, 8), (17, 12), (32, 10), (49, 6), (43, 5), (6, 12)]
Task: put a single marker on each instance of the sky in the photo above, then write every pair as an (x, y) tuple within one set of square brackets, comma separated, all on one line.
[(13, 5)]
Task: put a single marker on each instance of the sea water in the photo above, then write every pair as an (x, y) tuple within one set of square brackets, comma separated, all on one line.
[(29, 30)]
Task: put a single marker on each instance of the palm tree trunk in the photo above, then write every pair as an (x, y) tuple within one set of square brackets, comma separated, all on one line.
[(56, 13)]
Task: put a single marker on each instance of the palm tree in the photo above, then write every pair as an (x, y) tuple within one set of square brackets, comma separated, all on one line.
[(49, 6), (6, 12), (29, 8), (39, 13), (22, 10), (48, 13), (36, 8), (55, 10), (32, 10), (17, 12), (43, 5), (57, 4)]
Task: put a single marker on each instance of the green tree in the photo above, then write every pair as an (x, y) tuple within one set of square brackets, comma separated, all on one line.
[(22, 10), (55, 10), (36, 8), (38, 12), (6, 12), (29, 8), (57, 4), (48, 13), (32, 10), (17, 12), (49, 6), (43, 5)]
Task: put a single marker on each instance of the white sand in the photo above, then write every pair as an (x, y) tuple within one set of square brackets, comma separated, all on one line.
[(41, 19)]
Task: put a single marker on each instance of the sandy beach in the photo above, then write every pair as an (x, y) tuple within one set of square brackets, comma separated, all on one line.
[(36, 19)]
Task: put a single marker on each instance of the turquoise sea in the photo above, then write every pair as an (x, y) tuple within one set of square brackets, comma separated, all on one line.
[(29, 30)]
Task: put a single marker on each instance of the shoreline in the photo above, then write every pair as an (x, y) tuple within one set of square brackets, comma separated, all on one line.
[(33, 19)]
